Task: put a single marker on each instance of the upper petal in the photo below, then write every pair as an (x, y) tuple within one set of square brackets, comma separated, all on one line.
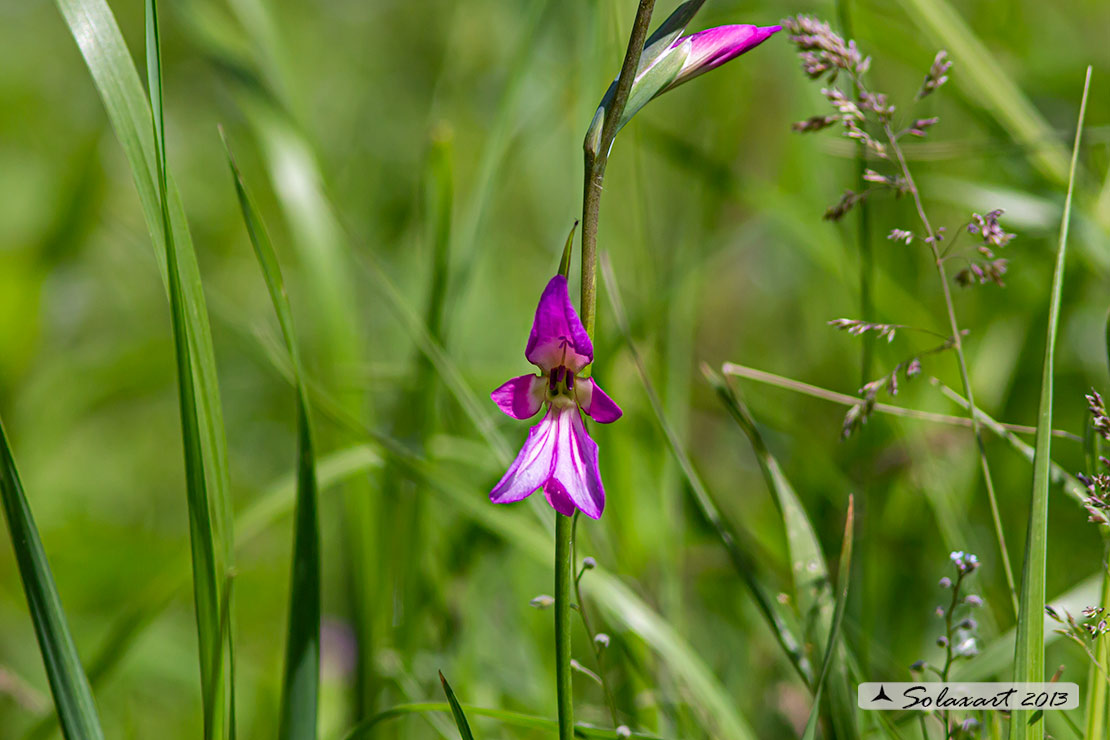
[(521, 397), (558, 337), (532, 466), (596, 402), (713, 47), (575, 468)]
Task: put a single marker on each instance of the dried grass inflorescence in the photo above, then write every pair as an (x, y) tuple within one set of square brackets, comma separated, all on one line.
[(868, 117)]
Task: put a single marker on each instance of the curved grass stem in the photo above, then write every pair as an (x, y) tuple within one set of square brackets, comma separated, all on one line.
[(958, 345)]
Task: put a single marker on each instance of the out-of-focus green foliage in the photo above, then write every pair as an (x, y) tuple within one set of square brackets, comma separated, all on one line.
[(712, 220)]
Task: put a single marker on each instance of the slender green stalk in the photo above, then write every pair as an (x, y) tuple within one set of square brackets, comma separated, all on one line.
[(590, 634), (949, 638), (844, 577), (564, 579), (863, 228), (863, 443), (958, 345), (1029, 648), (815, 601), (594, 171), (597, 159)]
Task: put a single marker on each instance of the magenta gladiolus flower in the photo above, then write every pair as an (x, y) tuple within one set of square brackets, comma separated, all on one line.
[(713, 47), (559, 455)]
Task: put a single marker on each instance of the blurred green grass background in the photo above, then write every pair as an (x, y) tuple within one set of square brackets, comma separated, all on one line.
[(712, 218)]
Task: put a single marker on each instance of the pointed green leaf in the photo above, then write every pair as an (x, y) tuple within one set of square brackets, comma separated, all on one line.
[(568, 249), (844, 574), (807, 562), (73, 698), (1029, 648), (301, 680), (456, 710)]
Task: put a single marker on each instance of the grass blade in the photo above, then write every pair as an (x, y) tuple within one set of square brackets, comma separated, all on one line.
[(807, 562), (211, 585), (276, 501), (812, 590), (98, 37), (844, 574), (73, 698), (301, 680), (456, 710), (1029, 649)]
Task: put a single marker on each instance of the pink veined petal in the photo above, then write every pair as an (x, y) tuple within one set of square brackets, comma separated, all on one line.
[(713, 47), (575, 468), (532, 466), (558, 337), (596, 402), (520, 397)]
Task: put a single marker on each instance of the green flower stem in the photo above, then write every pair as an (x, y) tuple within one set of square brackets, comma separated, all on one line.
[(564, 580), (596, 161)]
